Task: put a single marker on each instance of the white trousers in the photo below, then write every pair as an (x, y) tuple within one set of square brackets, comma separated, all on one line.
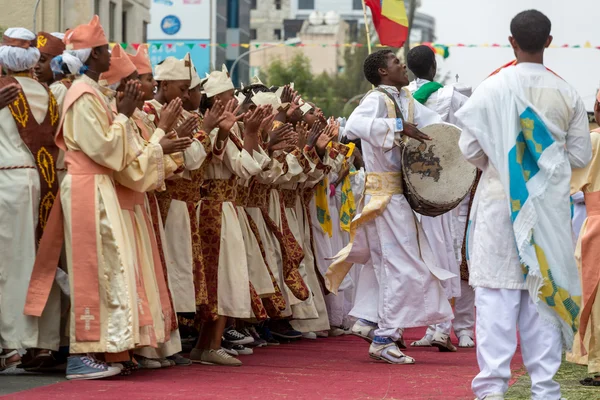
[(464, 315), (499, 313)]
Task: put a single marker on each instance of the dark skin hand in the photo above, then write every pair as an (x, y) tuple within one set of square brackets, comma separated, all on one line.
[(314, 134), (229, 119), (187, 128), (287, 96), (302, 129), (128, 99), (8, 94), (214, 116), (266, 126), (172, 144), (252, 122), (280, 138), (170, 114), (329, 134)]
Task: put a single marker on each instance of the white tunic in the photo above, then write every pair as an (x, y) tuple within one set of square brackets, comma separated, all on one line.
[(493, 259), (410, 294)]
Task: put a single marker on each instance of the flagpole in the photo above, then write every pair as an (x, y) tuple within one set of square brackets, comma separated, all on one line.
[(364, 6)]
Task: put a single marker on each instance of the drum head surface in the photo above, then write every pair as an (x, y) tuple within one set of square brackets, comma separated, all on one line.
[(437, 173)]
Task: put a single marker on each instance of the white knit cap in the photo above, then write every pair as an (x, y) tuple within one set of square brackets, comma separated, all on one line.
[(17, 58)]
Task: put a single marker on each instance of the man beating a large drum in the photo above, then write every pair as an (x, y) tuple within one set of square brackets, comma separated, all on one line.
[(386, 232)]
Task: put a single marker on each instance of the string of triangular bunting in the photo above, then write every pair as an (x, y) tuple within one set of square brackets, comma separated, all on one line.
[(191, 45)]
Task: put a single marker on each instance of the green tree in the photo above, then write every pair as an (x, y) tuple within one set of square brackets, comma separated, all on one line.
[(331, 92)]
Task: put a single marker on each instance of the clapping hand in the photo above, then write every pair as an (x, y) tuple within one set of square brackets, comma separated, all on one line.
[(214, 116), (170, 114), (128, 100), (230, 116)]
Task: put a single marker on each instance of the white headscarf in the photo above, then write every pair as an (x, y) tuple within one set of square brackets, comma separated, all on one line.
[(73, 59), (58, 35), (15, 58)]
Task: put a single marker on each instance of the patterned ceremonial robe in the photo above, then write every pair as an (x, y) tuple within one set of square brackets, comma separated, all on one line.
[(28, 187)]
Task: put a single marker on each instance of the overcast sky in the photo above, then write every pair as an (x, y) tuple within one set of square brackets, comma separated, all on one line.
[(488, 21)]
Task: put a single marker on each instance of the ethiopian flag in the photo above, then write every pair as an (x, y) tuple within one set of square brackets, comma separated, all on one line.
[(390, 20)]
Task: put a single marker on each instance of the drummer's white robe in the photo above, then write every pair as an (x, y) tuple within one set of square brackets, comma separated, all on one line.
[(410, 295), (446, 102), (19, 202)]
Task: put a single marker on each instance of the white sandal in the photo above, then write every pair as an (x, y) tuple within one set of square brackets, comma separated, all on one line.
[(4, 364)]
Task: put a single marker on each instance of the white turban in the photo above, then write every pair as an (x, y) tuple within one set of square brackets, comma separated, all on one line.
[(58, 35), (73, 59), (16, 58)]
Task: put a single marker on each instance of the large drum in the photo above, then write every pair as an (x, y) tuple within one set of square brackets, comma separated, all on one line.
[(436, 175)]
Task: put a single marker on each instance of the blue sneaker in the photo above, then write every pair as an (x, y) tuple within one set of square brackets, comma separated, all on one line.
[(287, 334), (85, 367)]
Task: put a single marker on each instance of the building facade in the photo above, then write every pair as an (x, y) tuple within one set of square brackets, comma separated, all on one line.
[(232, 25), (123, 20)]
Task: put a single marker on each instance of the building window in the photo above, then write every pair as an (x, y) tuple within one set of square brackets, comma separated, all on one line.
[(124, 26), (357, 4), (277, 34), (253, 4), (278, 4), (112, 10), (97, 7), (145, 33), (252, 34), (306, 4)]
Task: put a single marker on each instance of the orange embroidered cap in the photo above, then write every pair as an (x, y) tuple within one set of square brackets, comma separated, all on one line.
[(120, 67), (86, 36), (50, 44), (141, 60)]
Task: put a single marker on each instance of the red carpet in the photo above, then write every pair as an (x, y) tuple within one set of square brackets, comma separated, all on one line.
[(329, 369)]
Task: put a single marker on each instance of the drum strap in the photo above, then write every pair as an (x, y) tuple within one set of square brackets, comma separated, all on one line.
[(396, 107)]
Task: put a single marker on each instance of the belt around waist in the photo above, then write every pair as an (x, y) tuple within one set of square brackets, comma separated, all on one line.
[(384, 183)]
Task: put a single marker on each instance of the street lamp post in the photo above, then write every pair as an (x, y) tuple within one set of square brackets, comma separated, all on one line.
[(288, 42), (37, 4)]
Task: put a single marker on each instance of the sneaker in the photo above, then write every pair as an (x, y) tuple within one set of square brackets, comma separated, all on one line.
[(384, 349), (196, 355), (443, 343), (219, 357), (287, 334), (179, 360), (147, 363), (242, 351), (322, 334), (335, 331), (424, 342), (236, 337), (364, 329), (85, 367), (465, 341), (268, 337), (164, 363), (229, 347), (258, 342), (309, 335)]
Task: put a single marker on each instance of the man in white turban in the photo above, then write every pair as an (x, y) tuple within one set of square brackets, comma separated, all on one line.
[(28, 186)]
